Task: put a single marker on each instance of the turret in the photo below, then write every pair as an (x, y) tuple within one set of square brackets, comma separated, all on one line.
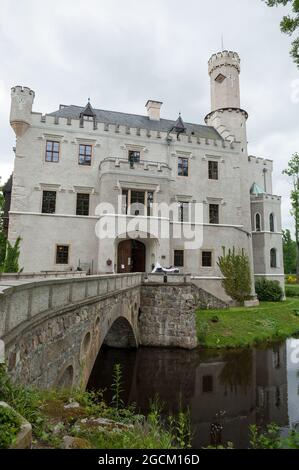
[(226, 115), (21, 108)]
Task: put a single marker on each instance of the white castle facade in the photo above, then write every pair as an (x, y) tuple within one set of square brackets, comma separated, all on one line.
[(69, 161)]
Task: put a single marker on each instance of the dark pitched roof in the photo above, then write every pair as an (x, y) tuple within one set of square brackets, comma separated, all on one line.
[(138, 121)]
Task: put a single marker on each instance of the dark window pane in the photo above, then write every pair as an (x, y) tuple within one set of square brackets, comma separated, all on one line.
[(214, 214), (258, 222), (133, 157), (137, 201), (271, 222), (82, 204), (179, 258), (213, 170), (183, 166), (206, 257), (62, 254), (273, 258), (85, 152), (49, 202), (52, 151)]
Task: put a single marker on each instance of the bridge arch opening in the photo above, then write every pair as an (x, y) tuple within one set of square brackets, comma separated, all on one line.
[(120, 336)]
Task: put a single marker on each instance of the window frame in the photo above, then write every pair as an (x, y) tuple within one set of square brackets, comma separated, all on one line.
[(85, 162), (52, 151), (55, 201), (181, 166), (272, 222), (201, 258), (175, 253), (82, 202), (275, 265), (218, 213), (133, 160), (211, 163), (56, 253), (257, 214)]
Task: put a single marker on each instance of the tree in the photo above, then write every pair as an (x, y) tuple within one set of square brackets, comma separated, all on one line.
[(11, 263), (235, 268), (289, 252), (289, 24), (293, 172)]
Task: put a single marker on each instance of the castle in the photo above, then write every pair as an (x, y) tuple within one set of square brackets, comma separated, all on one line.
[(71, 160)]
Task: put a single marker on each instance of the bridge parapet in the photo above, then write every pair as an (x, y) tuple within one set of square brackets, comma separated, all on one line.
[(21, 303)]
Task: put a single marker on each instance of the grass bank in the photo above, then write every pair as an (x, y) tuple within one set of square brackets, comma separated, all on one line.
[(241, 327), (82, 420)]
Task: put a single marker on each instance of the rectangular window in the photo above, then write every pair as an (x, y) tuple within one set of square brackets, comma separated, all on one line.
[(183, 211), (134, 157), (183, 166), (82, 204), (62, 254), (179, 258), (213, 170), (150, 200), (49, 202), (52, 151), (125, 201), (137, 202), (206, 259), (214, 213), (85, 152)]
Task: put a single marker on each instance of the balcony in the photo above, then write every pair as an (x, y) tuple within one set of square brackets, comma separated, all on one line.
[(142, 168)]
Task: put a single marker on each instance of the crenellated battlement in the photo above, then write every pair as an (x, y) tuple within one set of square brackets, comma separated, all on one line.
[(138, 133), (21, 108), (224, 58), (22, 90)]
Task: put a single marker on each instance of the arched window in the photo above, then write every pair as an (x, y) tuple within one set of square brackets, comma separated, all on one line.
[(257, 222), (271, 220), (273, 258)]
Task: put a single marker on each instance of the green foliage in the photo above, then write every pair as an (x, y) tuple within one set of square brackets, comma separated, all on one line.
[(11, 263), (292, 171), (289, 24), (289, 252), (235, 268), (269, 291), (270, 438), (9, 427), (292, 290), (242, 327), (3, 242), (117, 402)]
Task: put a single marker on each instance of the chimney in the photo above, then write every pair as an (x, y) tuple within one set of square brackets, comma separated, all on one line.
[(153, 109)]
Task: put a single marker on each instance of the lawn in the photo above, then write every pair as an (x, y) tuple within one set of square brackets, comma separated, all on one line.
[(241, 327), (292, 290)]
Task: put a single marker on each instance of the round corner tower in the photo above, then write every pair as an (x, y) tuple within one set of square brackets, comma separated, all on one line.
[(21, 109), (226, 114)]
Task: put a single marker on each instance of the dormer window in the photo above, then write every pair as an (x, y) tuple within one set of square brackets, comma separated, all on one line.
[(88, 114)]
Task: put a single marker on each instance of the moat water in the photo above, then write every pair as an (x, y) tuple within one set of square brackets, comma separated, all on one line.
[(233, 389)]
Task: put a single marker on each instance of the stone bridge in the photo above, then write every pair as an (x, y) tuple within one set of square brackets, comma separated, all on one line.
[(53, 329)]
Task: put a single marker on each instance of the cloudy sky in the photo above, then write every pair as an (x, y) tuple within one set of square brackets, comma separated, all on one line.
[(120, 53)]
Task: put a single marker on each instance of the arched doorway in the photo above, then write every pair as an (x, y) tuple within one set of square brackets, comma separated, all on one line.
[(131, 256)]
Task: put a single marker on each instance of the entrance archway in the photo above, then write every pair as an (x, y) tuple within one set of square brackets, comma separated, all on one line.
[(131, 256)]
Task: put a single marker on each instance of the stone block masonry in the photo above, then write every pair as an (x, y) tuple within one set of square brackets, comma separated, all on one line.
[(167, 314)]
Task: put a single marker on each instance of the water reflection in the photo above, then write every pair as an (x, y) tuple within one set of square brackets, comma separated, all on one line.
[(226, 392)]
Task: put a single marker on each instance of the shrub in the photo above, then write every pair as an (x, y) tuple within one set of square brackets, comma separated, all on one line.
[(292, 279), (235, 268), (268, 290), (9, 427)]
